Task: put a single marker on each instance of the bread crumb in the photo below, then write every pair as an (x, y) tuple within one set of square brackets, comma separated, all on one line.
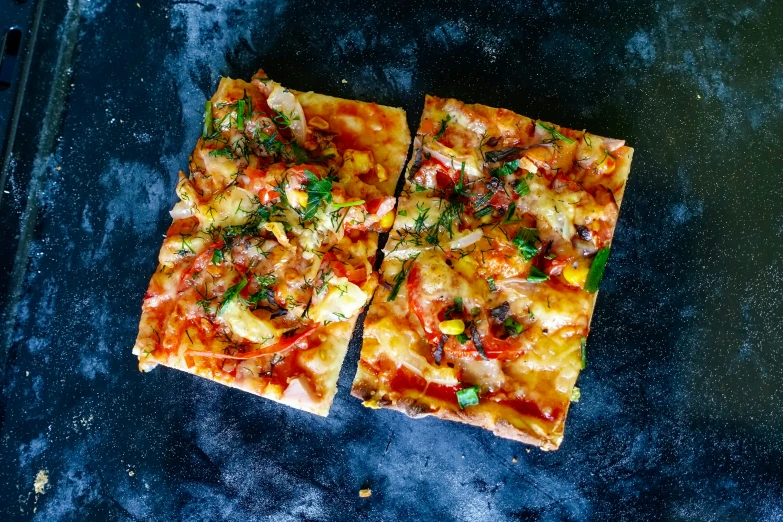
[(131, 473), (365, 493), (345, 81), (514, 460), (138, 5), (41, 480)]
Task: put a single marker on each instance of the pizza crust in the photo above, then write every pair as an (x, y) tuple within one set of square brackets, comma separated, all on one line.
[(235, 174), (398, 341)]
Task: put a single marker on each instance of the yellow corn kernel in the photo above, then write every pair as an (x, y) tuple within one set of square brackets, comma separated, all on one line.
[(606, 166), (381, 172), (357, 162), (298, 198), (318, 123), (387, 220), (452, 327), (576, 275), (466, 266)]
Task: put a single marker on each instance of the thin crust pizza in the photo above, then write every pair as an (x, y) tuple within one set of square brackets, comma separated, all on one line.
[(269, 259), (490, 273)]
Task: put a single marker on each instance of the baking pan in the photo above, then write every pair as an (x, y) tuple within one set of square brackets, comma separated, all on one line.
[(680, 415)]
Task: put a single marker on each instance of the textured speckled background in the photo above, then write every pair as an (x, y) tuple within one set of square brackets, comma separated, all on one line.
[(681, 415)]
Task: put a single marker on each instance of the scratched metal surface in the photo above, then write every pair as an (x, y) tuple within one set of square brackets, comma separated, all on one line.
[(680, 416)]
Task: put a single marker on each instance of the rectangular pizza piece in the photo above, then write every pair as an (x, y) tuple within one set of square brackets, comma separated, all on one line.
[(269, 259), (490, 273)]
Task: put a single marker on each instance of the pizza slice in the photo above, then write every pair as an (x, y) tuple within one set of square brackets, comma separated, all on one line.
[(491, 270), (269, 259)]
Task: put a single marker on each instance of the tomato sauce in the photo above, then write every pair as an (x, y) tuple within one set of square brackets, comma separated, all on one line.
[(531, 409), (405, 380)]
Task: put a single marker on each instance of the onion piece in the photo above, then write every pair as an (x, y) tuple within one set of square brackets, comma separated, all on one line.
[(512, 281), (466, 240), (450, 158), (386, 206), (181, 211), (612, 145)]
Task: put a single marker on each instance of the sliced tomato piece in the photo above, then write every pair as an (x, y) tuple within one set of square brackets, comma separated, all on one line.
[(199, 264), (267, 350), (342, 269)]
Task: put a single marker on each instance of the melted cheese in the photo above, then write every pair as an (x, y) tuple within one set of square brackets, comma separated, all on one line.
[(342, 299), (247, 326), (527, 381), (240, 222)]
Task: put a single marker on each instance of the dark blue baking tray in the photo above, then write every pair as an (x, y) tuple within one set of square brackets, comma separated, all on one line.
[(680, 417)]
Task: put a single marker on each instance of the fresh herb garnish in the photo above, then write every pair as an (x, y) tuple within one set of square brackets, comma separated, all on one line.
[(217, 256), (536, 275), (596, 272), (400, 278), (208, 123), (512, 326), (266, 280), (522, 187), (300, 154), (318, 190), (526, 240), (442, 130), (226, 152), (583, 350), (454, 310), (348, 203), (402, 213), (492, 286), (483, 212), (554, 133), (231, 294), (281, 120), (468, 397), (462, 338), (459, 188), (241, 115), (507, 169), (512, 208)]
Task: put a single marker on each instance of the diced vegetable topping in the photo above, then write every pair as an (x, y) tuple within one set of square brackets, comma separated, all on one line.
[(512, 326), (522, 188), (241, 115), (536, 275), (468, 397), (507, 169), (596, 272), (217, 256), (492, 286), (576, 394), (208, 124), (231, 294), (452, 326), (525, 240)]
